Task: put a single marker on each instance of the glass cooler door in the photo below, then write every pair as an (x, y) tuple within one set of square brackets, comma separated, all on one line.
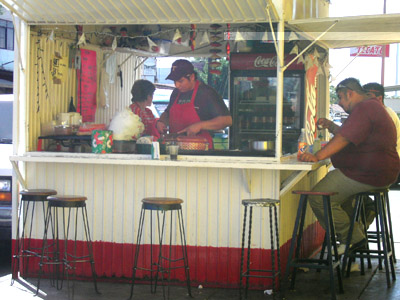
[(253, 103)]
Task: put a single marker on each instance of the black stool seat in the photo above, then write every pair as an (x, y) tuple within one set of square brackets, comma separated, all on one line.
[(261, 202), (69, 205), (274, 243), (25, 251), (36, 194), (67, 201), (332, 262), (155, 205), (382, 236)]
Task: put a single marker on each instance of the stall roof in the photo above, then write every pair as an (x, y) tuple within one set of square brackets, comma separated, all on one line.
[(111, 12), (346, 31), (350, 31)]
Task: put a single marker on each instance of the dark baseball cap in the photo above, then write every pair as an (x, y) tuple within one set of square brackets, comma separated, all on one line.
[(180, 68), (375, 88), (350, 84)]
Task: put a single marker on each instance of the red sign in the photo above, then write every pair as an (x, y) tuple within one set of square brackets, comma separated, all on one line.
[(87, 85), (370, 51), (260, 61)]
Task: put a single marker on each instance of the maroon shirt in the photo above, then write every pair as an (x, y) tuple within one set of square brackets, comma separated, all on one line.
[(371, 156)]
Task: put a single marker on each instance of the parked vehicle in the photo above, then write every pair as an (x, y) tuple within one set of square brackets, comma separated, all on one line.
[(6, 111)]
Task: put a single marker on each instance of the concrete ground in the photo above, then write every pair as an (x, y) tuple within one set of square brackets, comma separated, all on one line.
[(309, 285)]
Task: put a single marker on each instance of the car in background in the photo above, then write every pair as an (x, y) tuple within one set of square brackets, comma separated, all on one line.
[(6, 148)]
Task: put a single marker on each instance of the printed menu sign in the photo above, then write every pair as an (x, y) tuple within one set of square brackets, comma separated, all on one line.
[(87, 85)]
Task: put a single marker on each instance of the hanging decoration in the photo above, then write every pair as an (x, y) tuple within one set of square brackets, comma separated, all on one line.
[(295, 50), (204, 39), (185, 40), (51, 36), (114, 44), (82, 40), (192, 34), (228, 46), (265, 37), (152, 46), (177, 37), (238, 37), (293, 36)]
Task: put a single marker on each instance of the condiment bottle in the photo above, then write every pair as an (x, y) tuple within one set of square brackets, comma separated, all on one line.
[(317, 144), (302, 143)]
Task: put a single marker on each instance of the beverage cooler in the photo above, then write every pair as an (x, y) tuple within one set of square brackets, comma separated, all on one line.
[(253, 102)]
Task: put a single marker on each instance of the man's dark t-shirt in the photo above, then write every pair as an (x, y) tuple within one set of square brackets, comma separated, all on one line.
[(371, 156), (208, 103)]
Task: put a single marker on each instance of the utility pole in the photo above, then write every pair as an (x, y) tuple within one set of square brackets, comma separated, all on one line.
[(383, 52)]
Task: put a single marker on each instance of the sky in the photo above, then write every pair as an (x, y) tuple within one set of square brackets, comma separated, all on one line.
[(366, 69)]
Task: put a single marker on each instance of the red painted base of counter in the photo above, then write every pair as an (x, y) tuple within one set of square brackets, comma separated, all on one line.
[(209, 266)]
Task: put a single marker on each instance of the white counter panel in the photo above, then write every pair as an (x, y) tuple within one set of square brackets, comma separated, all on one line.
[(212, 198)]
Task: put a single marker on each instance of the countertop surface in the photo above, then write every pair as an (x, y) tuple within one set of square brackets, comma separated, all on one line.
[(198, 161)]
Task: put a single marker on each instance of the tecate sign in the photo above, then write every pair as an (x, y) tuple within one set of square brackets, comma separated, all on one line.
[(370, 51)]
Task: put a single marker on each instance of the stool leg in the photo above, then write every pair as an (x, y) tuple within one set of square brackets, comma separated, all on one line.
[(26, 248), (16, 257), (364, 222), (242, 253), (248, 252), (277, 246), (43, 247), (384, 238), (300, 235), (378, 229), (346, 255), (89, 246), (387, 202), (271, 232), (184, 250), (332, 239), (138, 239), (387, 236), (160, 268), (297, 230)]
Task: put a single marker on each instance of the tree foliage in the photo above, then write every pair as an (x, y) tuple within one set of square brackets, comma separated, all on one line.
[(218, 82)]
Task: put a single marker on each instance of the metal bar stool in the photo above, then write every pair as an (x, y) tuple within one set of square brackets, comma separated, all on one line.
[(332, 262), (67, 204), (273, 221), (162, 264), (29, 199), (383, 236)]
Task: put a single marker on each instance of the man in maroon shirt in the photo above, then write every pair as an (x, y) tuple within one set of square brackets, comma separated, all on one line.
[(363, 152)]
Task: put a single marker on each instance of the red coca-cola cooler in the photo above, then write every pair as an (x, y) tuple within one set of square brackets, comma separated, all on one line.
[(253, 101)]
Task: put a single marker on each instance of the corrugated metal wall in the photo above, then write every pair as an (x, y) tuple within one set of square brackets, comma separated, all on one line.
[(46, 99), (212, 199)]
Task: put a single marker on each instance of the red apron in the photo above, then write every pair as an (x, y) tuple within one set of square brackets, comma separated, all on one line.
[(183, 115)]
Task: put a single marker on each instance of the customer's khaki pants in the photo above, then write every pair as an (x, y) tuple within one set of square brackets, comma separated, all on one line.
[(336, 181)]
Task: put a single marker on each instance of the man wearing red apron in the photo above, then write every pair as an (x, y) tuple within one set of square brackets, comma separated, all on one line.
[(195, 108)]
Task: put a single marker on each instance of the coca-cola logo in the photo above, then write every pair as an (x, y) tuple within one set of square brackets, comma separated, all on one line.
[(265, 62)]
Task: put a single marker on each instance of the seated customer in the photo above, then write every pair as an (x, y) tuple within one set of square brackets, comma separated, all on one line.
[(363, 151), (142, 97)]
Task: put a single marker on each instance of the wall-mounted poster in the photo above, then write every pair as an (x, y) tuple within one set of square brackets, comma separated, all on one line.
[(87, 85), (58, 68)]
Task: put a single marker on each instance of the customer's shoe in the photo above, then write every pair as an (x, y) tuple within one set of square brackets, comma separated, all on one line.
[(359, 245), (340, 249)]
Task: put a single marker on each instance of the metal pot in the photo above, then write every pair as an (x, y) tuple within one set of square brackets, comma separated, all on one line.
[(263, 145)]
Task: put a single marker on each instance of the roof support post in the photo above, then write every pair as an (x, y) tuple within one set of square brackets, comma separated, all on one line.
[(279, 88)]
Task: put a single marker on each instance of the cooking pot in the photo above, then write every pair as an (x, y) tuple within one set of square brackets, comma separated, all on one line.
[(263, 145)]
